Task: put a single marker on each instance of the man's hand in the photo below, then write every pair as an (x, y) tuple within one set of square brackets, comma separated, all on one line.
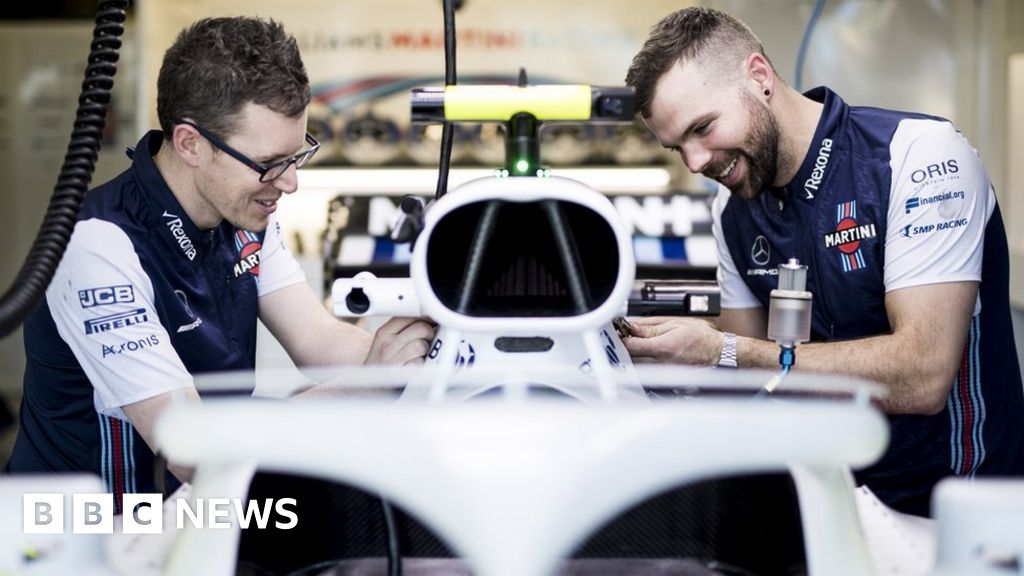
[(401, 341), (680, 340)]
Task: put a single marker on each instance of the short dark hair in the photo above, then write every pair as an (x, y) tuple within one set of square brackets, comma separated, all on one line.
[(217, 65), (687, 34)]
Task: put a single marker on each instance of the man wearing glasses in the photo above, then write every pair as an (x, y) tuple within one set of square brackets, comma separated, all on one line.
[(171, 263)]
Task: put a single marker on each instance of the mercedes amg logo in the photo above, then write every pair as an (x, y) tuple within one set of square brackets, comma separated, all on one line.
[(761, 251), (184, 302)]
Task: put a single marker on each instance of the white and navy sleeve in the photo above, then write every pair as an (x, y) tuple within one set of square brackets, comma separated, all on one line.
[(940, 203), (102, 303), (734, 291), (278, 267)]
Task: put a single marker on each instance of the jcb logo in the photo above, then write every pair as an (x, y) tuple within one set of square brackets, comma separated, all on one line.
[(106, 295)]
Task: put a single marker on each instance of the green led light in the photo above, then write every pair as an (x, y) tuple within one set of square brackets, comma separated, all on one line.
[(522, 166)]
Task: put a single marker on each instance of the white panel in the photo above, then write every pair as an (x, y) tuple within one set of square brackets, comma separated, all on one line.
[(1013, 211)]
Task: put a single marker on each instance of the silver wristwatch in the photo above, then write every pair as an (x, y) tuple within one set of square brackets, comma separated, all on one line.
[(728, 357)]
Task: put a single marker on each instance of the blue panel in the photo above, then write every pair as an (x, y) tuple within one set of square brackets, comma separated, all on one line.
[(674, 249)]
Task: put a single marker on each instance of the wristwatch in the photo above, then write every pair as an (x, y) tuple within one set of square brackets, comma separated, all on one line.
[(728, 356)]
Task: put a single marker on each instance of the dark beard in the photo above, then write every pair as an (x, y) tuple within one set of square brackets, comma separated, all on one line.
[(761, 149)]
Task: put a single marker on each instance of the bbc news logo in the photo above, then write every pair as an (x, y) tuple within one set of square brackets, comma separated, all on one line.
[(144, 513)]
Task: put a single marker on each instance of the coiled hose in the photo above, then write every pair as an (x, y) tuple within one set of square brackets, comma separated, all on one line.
[(30, 285)]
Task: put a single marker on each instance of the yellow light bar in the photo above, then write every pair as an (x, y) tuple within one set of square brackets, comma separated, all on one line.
[(544, 102)]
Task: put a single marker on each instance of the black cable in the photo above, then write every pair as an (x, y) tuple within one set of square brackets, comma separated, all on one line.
[(394, 543), (450, 78), (29, 286)]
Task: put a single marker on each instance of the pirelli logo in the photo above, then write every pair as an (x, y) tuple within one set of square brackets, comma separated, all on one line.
[(849, 235), (116, 321)]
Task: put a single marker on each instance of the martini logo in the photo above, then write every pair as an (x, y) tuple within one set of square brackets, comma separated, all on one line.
[(848, 236), (248, 245)]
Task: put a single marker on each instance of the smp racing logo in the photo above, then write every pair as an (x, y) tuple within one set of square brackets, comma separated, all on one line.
[(910, 231), (248, 245), (848, 236), (177, 228), (818, 172)]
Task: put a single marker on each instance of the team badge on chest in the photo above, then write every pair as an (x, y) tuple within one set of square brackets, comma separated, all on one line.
[(248, 245), (848, 236)]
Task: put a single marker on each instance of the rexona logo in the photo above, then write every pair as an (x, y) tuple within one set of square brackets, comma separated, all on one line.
[(177, 228), (144, 513), (818, 173), (116, 321), (105, 295), (848, 236)]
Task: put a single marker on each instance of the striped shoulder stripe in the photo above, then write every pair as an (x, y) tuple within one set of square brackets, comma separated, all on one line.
[(117, 457), (966, 406)]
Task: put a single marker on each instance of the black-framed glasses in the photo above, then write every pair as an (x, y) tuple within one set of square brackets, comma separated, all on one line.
[(267, 172)]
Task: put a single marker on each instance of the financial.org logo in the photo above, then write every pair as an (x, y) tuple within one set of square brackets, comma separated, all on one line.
[(919, 201)]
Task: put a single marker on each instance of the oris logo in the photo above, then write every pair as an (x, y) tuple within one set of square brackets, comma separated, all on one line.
[(818, 173), (177, 229), (934, 171)]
